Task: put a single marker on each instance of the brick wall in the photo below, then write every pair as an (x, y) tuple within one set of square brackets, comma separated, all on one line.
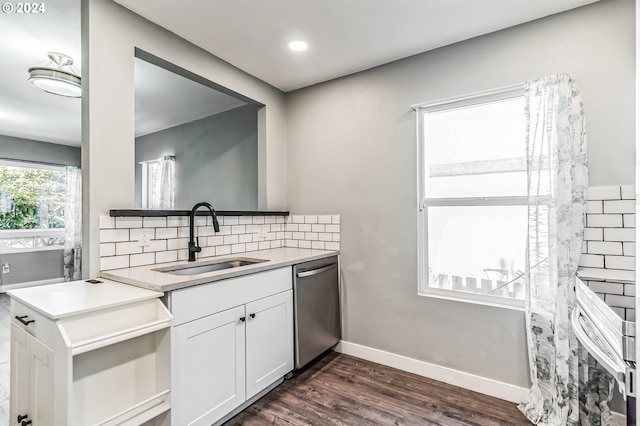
[(607, 263)]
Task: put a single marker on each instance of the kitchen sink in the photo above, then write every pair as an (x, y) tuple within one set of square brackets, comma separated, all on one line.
[(204, 267)]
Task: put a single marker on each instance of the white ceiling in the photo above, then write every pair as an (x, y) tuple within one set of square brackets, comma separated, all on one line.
[(343, 36)]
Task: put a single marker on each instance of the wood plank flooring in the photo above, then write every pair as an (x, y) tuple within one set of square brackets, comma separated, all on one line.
[(341, 390)]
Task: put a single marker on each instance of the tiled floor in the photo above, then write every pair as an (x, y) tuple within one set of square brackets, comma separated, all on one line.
[(5, 332)]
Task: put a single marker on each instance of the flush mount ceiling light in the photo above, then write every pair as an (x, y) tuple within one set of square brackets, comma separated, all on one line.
[(60, 79), (298, 46)]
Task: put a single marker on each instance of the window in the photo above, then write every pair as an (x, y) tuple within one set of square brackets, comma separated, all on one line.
[(32, 202), (158, 187), (473, 198)]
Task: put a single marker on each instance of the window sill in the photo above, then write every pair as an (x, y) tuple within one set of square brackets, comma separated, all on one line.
[(477, 299)]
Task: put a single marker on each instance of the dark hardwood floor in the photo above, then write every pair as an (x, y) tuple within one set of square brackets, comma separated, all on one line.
[(343, 390)]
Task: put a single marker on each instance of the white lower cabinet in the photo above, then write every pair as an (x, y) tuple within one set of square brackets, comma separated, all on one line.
[(31, 380), (225, 358), (84, 354)]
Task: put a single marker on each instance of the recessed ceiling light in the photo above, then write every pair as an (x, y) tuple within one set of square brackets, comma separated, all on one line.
[(298, 46)]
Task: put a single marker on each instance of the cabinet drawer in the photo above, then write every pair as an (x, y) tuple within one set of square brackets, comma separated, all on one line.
[(33, 322), (198, 301)]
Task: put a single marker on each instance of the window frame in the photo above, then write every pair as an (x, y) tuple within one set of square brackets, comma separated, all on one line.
[(424, 202), (34, 232)]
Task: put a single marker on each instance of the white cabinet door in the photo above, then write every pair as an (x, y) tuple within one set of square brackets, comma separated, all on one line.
[(19, 374), (31, 379), (269, 340), (208, 375)]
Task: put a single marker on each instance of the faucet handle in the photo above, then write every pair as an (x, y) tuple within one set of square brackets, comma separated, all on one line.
[(197, 248)]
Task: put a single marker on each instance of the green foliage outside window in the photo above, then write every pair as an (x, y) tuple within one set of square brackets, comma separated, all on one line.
[(31, 198)]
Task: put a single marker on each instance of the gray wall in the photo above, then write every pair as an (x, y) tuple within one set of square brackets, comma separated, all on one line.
[(38, 152), (216, 159), (32, 266), (351, 150)]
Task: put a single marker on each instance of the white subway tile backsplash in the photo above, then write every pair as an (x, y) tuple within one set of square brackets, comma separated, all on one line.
[(177, 221), (238, 229), (304, 244), (207, 252), (620, 234), (154, 222), (310, 219), (128, 248), (593, 234), (604, 221), (604, 193), (114, 235), (630, 290), (142, 259), (230, 239), (230, 220), (616, 206), (128, 222), (114, 262), (107, 222), (628, 192), (629, 249), (610, 234), (324, 219), (630, 314), (137, 234), (619, 262), (245, 220), (107, 249), (605, 247), (156, 245), (591, 261), (178, 243), (594, 207), (166, 256), (166, 238), (620, 301), (629, 220), (166, 233), (222, 250), (606, 288)]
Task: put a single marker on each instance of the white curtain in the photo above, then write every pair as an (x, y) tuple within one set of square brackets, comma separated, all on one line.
[(557, 178), (73, 225), (163, 183)]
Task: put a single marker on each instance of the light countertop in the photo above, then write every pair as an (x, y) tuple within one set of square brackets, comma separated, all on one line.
[(57, 301), (148, 277)]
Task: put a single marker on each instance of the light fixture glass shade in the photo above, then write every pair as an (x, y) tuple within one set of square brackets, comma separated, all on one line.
[(57, 81)]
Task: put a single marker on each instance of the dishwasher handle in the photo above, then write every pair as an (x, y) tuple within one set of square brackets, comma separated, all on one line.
[(316, 271)]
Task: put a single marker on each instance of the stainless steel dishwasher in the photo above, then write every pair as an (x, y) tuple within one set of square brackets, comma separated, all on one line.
[(316, 308)]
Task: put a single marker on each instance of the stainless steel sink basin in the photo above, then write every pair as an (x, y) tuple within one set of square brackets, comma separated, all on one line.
[(211, 266)]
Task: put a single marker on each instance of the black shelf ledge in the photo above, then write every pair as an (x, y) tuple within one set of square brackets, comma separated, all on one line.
[(163, 213)]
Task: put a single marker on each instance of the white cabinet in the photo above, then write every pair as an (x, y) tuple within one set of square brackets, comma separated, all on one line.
[(85, 354), (31, 380), (209, 357), (234, 349)]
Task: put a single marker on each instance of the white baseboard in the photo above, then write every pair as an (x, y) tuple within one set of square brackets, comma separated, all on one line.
[(458, 378), (6, 287)]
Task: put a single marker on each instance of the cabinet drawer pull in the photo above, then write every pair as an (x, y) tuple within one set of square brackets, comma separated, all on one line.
[(26, 423), (252, 315), (21, 418), (25, 322), (243, 319)]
